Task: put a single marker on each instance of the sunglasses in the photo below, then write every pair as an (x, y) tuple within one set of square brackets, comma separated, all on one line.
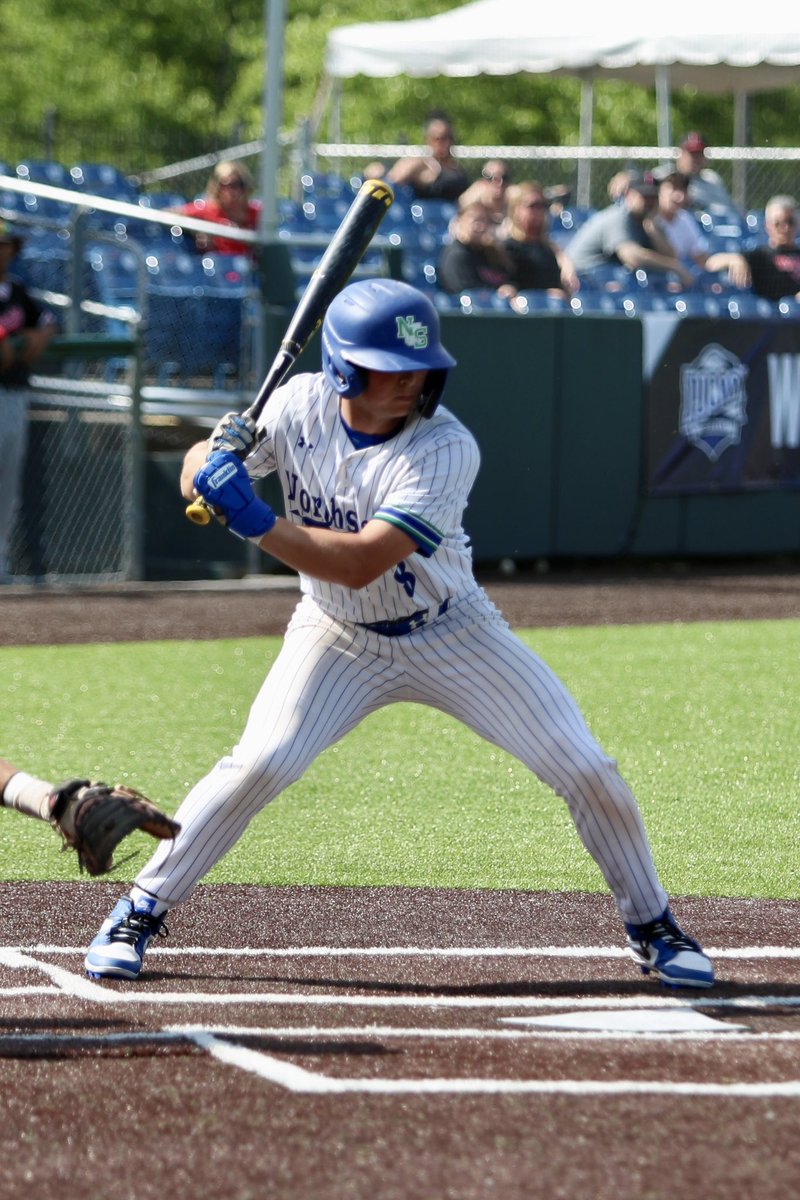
[(494, 177), (535, 204), (232, 183)]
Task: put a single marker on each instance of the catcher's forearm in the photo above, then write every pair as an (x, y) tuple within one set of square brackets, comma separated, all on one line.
[(24, 792)]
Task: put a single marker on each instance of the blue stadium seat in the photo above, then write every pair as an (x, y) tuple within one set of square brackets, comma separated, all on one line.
[(195, 308), (51, 173), (540, 301), (100, 179), (606, 277), (611, 303), (754, 223), (693, 304), (44, 262), (329, 186), (722, 224)]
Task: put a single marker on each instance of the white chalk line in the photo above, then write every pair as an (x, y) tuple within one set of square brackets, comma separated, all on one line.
[(725, 952), (297, 1079), (105, 993), (410, 1033)]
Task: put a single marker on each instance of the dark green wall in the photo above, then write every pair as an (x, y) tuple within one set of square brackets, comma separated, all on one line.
[(556, 404)]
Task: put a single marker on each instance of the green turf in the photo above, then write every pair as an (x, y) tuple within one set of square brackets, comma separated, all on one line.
[(701, 718)]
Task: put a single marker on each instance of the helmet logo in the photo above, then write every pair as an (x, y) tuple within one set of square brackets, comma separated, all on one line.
[(412, 332)]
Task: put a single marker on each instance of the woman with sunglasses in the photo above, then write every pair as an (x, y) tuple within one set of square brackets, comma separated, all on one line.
[(536, 262), (490, 190), (227, 201)]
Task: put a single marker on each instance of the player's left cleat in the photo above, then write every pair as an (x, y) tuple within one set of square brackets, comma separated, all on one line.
[(118, 950), (662, 947)]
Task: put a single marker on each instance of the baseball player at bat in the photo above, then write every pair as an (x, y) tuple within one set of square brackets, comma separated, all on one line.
[(376, 474)]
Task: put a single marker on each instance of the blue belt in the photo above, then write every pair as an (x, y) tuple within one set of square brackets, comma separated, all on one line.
[(404, 625)]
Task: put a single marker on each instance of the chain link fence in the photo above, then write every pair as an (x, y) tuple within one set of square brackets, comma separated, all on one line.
[(74, 522)]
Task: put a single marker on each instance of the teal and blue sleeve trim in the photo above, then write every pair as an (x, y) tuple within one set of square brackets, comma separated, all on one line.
[(427, 537)]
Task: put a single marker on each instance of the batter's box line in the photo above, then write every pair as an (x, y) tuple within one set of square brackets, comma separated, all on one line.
[(86, 989), (297, 1079), (727, 952)]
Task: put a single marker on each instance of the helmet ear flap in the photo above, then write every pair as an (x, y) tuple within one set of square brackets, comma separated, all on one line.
[(356, 383), (432, 392), (348, 379)]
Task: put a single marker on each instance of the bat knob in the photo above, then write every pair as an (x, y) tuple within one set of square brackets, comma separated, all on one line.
[(198, 512)]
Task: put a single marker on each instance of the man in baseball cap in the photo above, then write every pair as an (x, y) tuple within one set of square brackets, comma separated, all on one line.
[(625, 234), (694, 143), (707, 192)]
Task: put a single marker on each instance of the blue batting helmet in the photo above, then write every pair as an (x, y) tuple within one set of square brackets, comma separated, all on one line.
[(383, 325)]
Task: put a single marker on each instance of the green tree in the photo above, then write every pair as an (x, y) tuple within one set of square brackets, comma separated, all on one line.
[(140, 85)]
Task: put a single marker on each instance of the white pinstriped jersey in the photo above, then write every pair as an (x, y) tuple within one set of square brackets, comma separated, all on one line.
[(418, 480), (332, 671)]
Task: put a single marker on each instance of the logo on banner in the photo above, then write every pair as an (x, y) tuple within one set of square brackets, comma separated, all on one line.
[(713, 400)]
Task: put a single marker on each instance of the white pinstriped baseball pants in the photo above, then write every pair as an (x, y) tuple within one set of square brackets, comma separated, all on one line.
[(328, 677)]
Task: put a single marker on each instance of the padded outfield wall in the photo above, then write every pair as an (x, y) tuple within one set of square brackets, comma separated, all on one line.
[(567, 412)]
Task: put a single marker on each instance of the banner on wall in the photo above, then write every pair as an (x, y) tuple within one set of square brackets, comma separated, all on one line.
[(722, 405)]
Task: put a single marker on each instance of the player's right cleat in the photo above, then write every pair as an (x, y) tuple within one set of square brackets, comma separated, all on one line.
[(118, 950), (662, 947)]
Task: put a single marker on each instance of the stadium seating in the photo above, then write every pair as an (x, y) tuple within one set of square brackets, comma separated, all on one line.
[(193, 312), (53, 174), (100, 179), (44, 262)]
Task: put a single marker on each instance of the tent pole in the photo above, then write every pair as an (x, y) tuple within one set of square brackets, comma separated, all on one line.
[(274, 12), (584, 188), (741, 137), (662, 106)]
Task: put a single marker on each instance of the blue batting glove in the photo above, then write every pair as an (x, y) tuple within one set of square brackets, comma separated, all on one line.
[(224, 482)]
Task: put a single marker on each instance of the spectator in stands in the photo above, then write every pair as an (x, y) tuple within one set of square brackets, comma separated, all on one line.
[(771, 270), (618, 184), (25, 331), (474, 260), (228, 201), (536, 262), (626, 234), (707, 192), (680, 226), (558, 197), (491, 189), (437, 175)]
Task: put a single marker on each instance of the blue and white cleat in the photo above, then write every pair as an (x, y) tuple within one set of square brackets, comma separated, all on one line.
[(662, 947), (118, 950)]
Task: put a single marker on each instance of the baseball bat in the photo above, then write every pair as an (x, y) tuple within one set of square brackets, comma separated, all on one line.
[(337, 264)]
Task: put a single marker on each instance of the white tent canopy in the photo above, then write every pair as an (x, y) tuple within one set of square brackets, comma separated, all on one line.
[(720, 51)]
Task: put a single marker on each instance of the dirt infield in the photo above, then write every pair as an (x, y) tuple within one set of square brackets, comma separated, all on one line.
[(400, 1044), (579, 595), (342, 1044)]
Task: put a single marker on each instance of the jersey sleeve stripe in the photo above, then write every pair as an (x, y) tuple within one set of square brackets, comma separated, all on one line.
[(427, 537)]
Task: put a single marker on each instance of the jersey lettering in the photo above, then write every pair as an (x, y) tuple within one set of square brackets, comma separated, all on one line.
[(313, 510), (407, 579)]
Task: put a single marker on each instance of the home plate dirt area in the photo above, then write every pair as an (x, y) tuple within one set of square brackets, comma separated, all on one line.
[(328, 1042), (396, 1043)]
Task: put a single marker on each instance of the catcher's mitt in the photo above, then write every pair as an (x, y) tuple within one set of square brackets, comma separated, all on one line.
[(93, 818)]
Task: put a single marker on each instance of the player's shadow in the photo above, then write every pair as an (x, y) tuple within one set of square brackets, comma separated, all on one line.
[(308, 1046), (728, 989)]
